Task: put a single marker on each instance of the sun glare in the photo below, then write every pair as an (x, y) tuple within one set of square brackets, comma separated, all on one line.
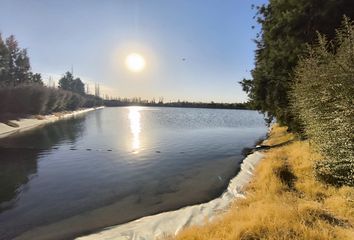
[(135, 127), (135, 62)]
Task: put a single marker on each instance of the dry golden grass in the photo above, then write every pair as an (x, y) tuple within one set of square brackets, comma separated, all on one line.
[(278, 135), (284, 201)]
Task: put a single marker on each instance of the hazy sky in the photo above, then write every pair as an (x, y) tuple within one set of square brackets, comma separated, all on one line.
[(214, 37)]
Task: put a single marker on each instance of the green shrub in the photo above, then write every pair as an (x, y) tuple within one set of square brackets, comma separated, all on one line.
[(37, 99), (92, 101), (54, 100), (74, 101), (323, 99)]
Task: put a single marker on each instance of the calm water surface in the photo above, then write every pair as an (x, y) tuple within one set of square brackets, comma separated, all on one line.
[(114, 165)]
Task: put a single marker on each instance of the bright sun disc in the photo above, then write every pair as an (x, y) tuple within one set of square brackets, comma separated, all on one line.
[(135, 62)]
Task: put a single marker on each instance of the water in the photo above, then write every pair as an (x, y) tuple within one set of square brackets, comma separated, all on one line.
[(114, 165)]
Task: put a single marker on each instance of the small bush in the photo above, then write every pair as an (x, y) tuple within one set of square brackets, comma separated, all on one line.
[(74, 102), (323, 97), (53, 101)]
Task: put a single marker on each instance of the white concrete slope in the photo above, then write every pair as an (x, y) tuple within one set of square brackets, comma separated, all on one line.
[(29, 123)]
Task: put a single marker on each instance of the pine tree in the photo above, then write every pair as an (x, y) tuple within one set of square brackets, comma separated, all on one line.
[(67, 82), (287, 27), (78, 86), (15, 68), (4, 62), (19, 66)]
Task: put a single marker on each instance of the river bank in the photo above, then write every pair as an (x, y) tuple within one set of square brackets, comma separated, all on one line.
[(25, 124), (284, 201)]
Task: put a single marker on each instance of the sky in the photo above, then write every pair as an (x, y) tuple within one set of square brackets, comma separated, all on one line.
[(195, 50)]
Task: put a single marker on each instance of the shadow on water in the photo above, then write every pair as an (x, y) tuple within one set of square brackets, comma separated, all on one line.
[(249, 150), (18, 162), (98, 119)]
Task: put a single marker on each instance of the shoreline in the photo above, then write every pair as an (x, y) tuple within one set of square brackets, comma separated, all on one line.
[(285, 200), (25, 124), (172, 222)]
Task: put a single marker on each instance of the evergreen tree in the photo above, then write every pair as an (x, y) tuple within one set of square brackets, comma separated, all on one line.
[(15, 68), (4, 62), (287, 27), (67, 82), (36, 78), (78, 86), (19, 66)]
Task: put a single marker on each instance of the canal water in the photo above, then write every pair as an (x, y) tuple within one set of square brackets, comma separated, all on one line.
[(114, 165)]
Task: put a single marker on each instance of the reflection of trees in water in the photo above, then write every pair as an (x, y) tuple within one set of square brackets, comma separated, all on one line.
[(98, 118), (16, 167), (47, 136), (68, 130), (19, 155)]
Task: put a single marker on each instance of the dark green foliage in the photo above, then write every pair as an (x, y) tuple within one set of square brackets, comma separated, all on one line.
[(323, 97), (93, 101), (14, 64), (37, 99), (78, 86), (74, 102), (67, 82), (287, 26)]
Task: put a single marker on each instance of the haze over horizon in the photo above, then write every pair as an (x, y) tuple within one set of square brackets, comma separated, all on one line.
[(194, 51)]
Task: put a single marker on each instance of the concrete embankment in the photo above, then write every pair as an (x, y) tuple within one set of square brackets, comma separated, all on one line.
[(30, 123)]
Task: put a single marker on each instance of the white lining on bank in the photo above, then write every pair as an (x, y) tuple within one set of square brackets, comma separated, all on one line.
[(30, 123)]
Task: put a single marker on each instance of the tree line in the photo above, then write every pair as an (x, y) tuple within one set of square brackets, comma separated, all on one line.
[(22, 92), (118, 102), (303, 77)]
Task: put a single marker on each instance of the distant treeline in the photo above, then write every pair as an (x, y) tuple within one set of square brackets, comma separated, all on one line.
[(185, 104), (22, 92)]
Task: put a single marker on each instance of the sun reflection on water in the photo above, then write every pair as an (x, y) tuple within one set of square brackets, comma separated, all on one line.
[(135, 127)]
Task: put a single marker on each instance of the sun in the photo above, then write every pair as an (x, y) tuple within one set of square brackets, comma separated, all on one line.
[(135, 62)]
